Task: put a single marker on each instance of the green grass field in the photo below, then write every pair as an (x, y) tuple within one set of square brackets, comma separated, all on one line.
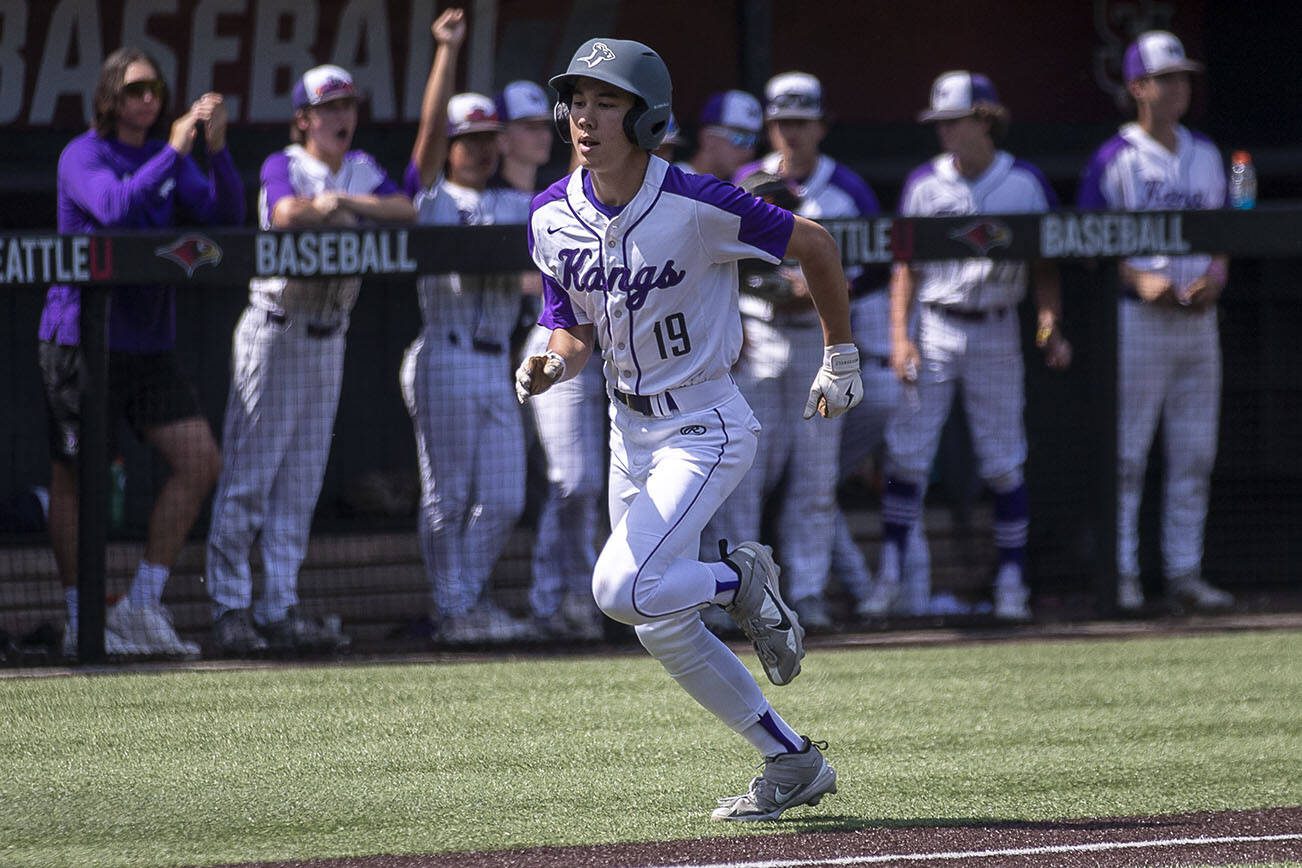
[(201, 767)]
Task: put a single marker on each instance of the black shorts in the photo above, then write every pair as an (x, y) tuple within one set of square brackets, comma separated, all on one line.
[(147, 390)]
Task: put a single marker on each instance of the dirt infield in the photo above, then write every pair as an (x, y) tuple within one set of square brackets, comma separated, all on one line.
[(1221, 838)]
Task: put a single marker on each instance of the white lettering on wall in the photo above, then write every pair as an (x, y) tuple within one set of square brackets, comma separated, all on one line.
[(271, 53), (74, 23)]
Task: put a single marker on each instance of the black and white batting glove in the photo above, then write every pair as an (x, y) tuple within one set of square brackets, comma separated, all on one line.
[(837, 386), (537, 374)]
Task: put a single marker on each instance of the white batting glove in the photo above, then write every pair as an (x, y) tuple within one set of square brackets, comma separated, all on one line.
[(837, 386), (537, 374)]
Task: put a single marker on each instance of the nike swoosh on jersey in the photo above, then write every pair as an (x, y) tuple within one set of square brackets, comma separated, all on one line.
[(552, 230)]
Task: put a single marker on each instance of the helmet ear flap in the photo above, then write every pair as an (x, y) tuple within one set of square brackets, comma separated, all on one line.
[(561, 118), (631, 118)]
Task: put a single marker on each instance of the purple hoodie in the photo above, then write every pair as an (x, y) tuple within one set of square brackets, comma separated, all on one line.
[(106, 184)]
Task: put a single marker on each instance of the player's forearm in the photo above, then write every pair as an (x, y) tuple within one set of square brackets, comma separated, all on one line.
[(820, 259), (1048, 294), (390, 208), (295, 212), (902, 284), (574, 345), (430, 149)]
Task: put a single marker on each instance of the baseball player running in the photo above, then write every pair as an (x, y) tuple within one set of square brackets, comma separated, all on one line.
[(968, 331), (456, 375), (636, 250), (1170, 359), (783, 348), (287, 368)]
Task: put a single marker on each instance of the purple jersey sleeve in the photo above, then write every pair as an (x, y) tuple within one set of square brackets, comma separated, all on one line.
[(275, 183), (557, 309), (1050, 197), (411, 180), (385, 186), (1092, 196), (764, 228), (865, 200)]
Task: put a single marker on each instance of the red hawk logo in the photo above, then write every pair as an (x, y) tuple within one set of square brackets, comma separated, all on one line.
[(191, 252), (984, 235)]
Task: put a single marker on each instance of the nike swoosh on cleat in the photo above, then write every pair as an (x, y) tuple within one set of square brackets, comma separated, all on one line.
[(784, 623), (782, 798)]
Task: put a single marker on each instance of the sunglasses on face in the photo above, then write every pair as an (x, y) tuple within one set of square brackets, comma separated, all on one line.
[(138, 89), (805, 101), (736, 138)]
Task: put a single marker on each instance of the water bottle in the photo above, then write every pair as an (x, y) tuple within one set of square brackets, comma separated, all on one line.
[(117, 493), (1243, 181)]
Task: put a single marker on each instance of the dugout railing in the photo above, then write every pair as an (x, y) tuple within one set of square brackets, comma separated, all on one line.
[(191, 258)]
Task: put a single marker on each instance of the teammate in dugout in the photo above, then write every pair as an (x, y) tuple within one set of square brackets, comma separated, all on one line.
[(730, 124), (782, 350), (456, 375), (120, 175), (570, 420), (644, 254), (1170, 360), (286, 371), (968, 332)]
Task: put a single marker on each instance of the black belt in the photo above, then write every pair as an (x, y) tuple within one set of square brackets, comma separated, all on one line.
[(642, 403), (314, 330), (968, 315), (479, 345)]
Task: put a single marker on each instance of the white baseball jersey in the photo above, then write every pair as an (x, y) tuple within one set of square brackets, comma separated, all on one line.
[(483, 307), (1134, 172), (295, 172), (1008, 186), (650, 274)]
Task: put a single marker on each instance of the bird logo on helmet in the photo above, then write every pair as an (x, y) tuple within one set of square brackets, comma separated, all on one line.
[(630, 66)]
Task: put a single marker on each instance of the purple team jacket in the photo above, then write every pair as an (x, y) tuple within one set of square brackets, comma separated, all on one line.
[(105, 184)]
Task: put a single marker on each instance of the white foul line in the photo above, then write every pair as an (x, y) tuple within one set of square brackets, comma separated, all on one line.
[(981, 854)]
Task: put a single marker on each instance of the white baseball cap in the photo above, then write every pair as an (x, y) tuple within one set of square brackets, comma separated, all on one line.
[(472, 113), (1156, 53), (523, 101), (322, 84), (795, 95), (957, 94), (733, 108)]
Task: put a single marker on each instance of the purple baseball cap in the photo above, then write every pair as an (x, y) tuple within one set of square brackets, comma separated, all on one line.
[(322, 84), (523, 101), (735, 109), (472, 113), (1157, 53), (958, 94)]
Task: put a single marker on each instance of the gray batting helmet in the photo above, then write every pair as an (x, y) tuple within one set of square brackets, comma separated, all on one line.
[(630, 66)]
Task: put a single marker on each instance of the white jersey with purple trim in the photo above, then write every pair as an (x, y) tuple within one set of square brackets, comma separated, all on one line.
[(1132, 171), (937, 189), (831, 191), (483, 307), (658, 278), (295, 172)]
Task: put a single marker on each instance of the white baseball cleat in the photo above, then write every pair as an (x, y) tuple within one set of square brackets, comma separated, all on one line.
[(885, 588), (759, 610), (149, 630), (1192, 590), (789, 779), (1012, 597)]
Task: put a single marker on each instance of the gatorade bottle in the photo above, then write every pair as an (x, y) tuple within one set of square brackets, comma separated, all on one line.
[(1243, 181)]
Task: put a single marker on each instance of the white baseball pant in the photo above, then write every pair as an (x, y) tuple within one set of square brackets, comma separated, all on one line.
[(470, 449), (1170, 369), (570, 418), (280, 415)]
